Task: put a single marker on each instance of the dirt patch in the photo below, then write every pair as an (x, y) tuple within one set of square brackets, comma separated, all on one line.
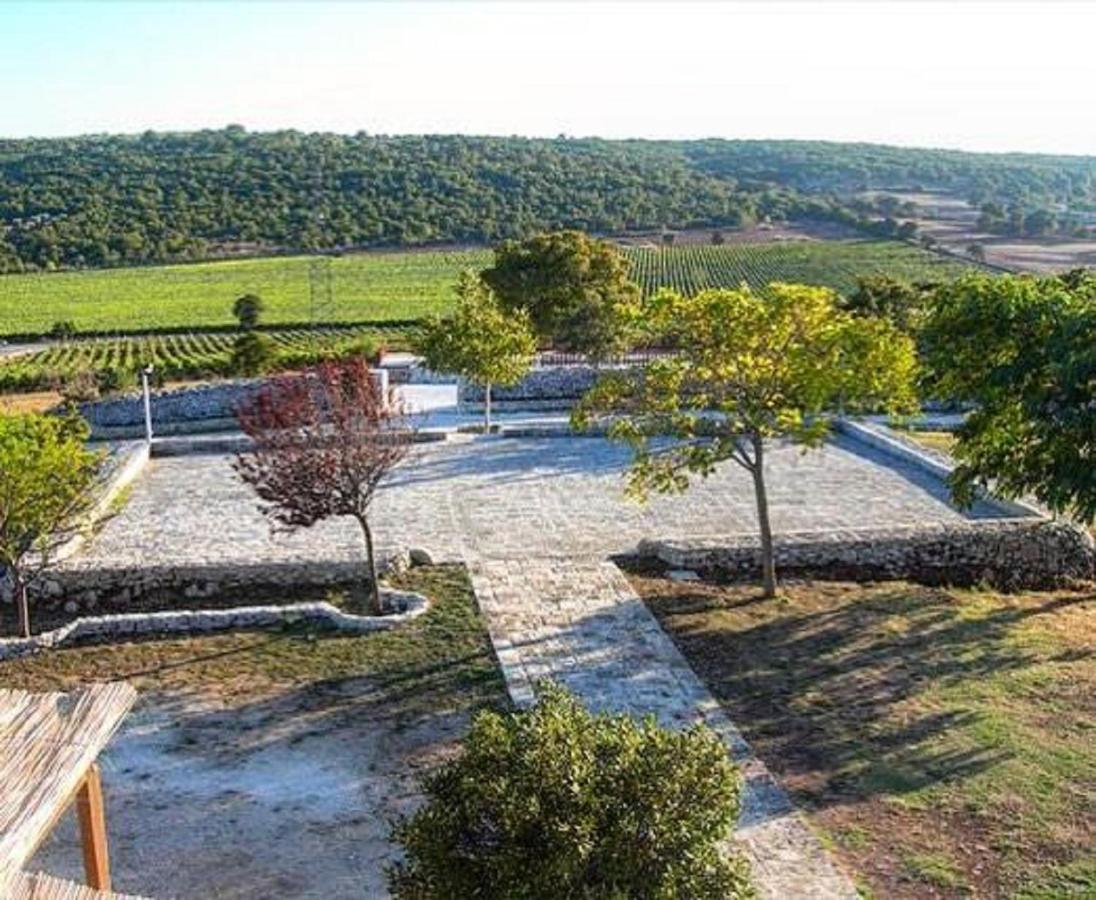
[(940, 740), (270, 764), (289, 796)]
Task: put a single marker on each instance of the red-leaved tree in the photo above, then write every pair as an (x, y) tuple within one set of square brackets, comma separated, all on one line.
[(322, 440)]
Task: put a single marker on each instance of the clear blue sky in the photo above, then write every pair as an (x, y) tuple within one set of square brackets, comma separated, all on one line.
[(1005, 75)]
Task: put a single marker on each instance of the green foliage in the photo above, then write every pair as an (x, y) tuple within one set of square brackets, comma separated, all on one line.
[(750, 367), (558, 804), (46, 476), (108, 200), (576, 289), (62, 329), (480, 341), (1023, 350), (890, 298), (253, 353), (248, 308)]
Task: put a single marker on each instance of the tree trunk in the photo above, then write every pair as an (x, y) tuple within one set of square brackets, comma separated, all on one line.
[(19, 595), (768, 561), (371, 563), (487, 408)]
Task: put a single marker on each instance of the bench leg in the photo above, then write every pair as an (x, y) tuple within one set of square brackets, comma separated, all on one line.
[(93, 830)]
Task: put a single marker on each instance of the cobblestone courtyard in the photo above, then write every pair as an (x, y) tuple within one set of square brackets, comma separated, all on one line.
[(535, 520), (517, 497)]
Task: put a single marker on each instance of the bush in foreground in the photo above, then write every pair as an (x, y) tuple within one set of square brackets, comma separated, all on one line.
[(556, 802)]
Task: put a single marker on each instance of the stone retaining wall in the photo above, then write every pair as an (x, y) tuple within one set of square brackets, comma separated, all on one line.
[(408, 605), (77, 588), (1006, 554), (549, 388), (180, 405)]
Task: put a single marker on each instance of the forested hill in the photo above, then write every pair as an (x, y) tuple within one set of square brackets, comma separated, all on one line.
[(118, 200)]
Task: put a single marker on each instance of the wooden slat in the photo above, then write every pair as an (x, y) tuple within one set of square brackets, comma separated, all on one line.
[(40, 886), (48, 742)]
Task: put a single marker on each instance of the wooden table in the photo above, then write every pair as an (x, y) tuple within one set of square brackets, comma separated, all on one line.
[(49, 744)]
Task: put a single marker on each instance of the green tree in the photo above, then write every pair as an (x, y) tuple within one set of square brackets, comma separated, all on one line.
[(480, 341), (889, 298), (556, 802), (46, 479), (253, 353), (751, 368), (248, 309), (575, 288), (1022, 350)]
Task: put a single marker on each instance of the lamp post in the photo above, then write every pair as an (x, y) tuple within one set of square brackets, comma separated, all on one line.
[(145, 373)]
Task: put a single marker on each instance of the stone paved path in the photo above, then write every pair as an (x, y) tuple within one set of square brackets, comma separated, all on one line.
[(579, 622), (536, 520)]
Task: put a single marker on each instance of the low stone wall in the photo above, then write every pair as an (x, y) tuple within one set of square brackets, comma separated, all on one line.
[(79, 588), (204, 403), (407, 605), (548, 388), (1006, 554)]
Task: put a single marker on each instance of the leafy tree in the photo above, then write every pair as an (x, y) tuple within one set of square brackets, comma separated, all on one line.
[(248, 309), (575, 289), (882, 296), (253, 353), (750, 368), (46, 480), (1023, 351), (480, 341), (322, 440), (556, 803)]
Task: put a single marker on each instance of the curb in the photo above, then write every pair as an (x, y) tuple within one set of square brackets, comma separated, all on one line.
[(201, 621)]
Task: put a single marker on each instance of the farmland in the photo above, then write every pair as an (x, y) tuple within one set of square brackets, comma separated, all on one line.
[(382, 287), (174, 357)]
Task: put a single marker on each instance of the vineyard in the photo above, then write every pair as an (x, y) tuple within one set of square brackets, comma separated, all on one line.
[(116, 362), (383, 287), (835, 264), (182, 314)]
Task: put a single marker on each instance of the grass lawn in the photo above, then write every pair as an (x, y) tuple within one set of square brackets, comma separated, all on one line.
[(943, 742), (941, 441), (443, 658)]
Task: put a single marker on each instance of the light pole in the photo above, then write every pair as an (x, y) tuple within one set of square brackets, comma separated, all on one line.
[(145, 373)]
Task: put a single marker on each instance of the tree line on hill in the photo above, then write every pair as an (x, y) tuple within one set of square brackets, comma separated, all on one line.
[(107, 200)]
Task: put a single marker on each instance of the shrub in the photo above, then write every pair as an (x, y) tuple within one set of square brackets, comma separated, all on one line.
[(556, 802), (252, 354), (62, 330), (112, 379)]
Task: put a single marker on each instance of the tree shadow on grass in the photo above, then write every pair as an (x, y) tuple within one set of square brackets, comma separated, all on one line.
[(834, 700)]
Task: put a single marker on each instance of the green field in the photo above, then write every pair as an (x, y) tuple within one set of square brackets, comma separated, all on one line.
[(180, 357), (379, 287)]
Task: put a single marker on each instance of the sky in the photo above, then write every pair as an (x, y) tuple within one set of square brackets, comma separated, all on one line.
[(986, 75)]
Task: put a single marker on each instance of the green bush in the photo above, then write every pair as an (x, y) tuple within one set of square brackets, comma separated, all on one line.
[(558, 803), (252, 354)]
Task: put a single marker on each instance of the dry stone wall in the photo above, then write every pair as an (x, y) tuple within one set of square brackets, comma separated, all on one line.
[(1006, 554)]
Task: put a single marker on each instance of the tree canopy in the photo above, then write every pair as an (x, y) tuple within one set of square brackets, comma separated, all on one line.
[(480, 341), (46, 477), (751, 367), (1022, 350), (105, 200), (575, 288)]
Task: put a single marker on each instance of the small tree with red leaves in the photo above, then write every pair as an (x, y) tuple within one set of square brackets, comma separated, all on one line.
[(322, 440)]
